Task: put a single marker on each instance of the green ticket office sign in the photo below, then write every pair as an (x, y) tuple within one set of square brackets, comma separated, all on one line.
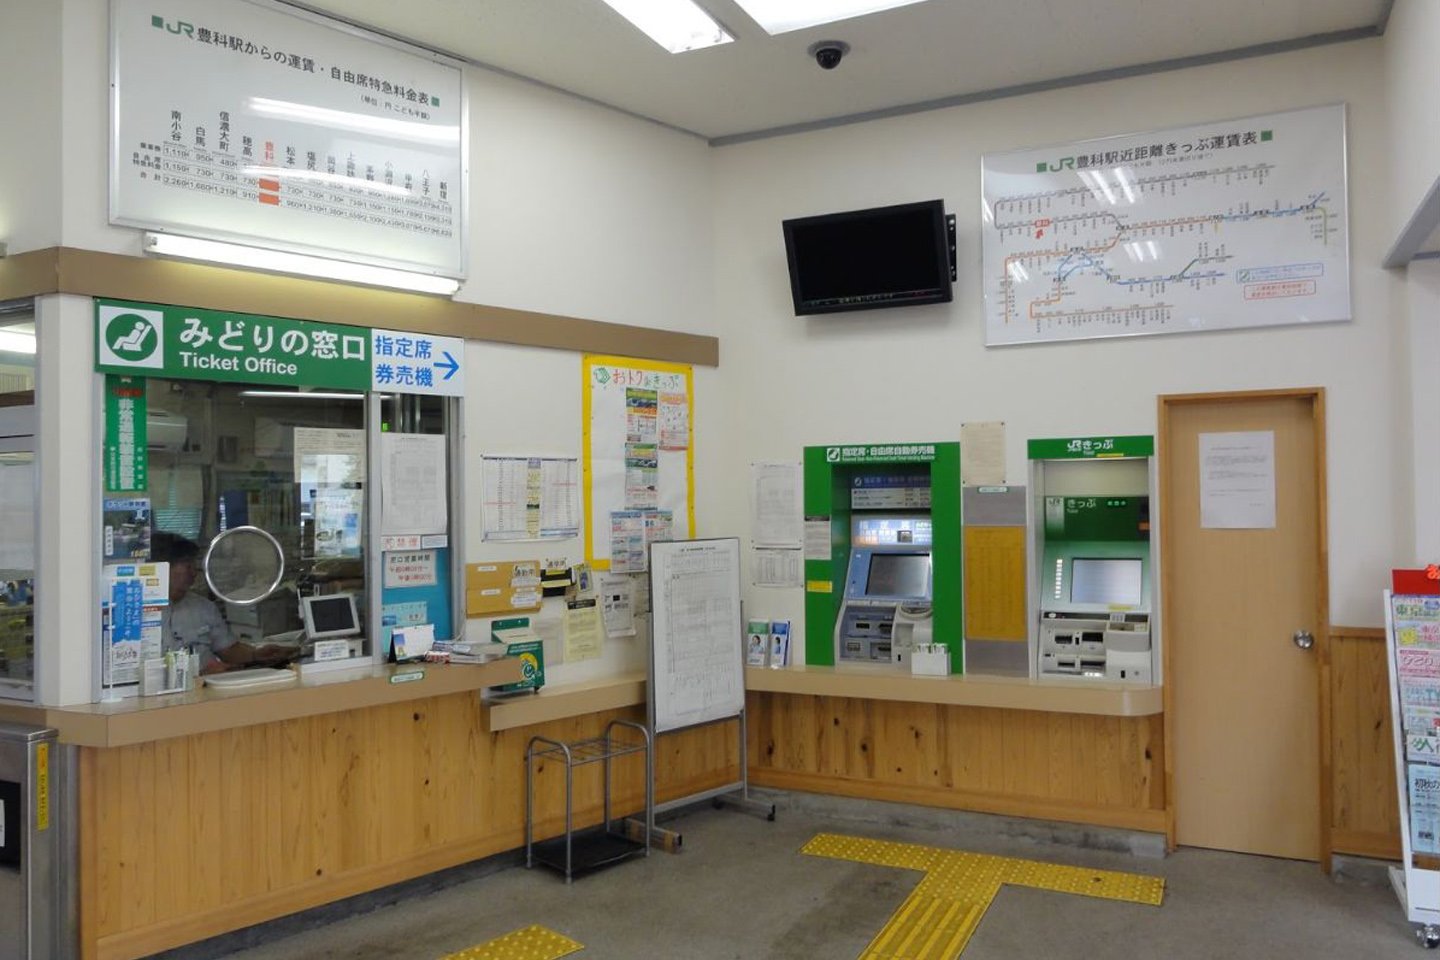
[(1091, 448), (158, 340)]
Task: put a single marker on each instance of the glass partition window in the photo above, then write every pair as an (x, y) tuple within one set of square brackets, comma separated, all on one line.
[(418, 565), (17, 500), (222, 457)]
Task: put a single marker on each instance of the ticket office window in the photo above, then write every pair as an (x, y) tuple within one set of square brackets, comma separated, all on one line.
[(420, 478), (18, 486), (218, 456)]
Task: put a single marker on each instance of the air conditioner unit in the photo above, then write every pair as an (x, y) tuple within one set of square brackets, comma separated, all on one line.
[(165, 430)]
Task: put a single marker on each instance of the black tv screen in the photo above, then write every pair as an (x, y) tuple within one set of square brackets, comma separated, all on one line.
[(867, 259)]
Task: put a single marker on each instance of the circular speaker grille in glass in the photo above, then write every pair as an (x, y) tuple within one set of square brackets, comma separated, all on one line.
[(244, 565)]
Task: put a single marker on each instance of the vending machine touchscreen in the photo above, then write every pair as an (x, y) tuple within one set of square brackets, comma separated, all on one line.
[(887, 604)]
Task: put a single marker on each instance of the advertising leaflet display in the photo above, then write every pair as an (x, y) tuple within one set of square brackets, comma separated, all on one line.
[(1412, 636)]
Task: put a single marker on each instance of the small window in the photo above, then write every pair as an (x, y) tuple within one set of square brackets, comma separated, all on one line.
[(18, 485), (220, 456)]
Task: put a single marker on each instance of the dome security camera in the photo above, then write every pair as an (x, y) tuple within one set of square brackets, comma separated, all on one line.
[(828, 53)]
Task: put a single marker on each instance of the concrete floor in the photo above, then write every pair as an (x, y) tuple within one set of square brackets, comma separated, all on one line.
[(740, 889)]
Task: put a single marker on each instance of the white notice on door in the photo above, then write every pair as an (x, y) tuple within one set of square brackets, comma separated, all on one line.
[(1237, 480)]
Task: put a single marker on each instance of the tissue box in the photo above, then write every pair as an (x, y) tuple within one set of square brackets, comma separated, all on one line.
[(936, 664)]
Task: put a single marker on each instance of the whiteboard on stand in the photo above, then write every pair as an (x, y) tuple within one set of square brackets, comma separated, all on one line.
[(697, 651)]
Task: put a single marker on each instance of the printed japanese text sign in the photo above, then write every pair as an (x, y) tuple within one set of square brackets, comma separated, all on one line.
[(160, 340), (1239, 223), (249, 121)]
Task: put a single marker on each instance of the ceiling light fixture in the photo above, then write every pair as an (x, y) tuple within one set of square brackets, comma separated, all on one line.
[(354, 122), (15, 341), (233, 254), (677, 25), (302, 394), (783, 16)]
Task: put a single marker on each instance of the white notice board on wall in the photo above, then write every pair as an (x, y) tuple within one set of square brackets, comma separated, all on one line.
[(1235, 223), (697, 650), (249, 121)]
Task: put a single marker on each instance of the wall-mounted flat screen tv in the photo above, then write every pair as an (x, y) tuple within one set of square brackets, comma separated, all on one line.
[(867, 259)]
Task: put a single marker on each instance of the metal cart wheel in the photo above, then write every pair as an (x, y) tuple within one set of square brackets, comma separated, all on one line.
[(1428, 935)]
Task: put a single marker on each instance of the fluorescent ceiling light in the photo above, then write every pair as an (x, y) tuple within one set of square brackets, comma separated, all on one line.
[(320, 176), (677, 25), (14, 341), (212, 251), (409, 130), (782, 16), (303, 394)]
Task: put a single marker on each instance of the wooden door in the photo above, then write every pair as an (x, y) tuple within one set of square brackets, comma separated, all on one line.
[(1242, 696)]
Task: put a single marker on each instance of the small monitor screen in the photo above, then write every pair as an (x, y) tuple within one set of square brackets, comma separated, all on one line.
[(330, 616), (1105, 581), (899, 575)]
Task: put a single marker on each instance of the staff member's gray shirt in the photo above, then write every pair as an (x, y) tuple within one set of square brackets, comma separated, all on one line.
[(195, 624)]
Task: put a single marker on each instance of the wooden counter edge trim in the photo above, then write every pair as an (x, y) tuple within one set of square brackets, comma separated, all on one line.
[(89, 727), (964, 691), (92, 273), (564, 702), (1125, 818)]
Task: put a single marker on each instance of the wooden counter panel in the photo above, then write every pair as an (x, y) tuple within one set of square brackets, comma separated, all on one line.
[(1073, 767), (200, 834), (1096, 697)]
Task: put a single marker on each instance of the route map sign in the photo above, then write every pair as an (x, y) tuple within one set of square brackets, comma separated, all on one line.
[(1237, 223), (263, 124)]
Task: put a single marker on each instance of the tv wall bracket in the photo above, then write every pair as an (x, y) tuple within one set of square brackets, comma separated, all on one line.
[(950, 235)]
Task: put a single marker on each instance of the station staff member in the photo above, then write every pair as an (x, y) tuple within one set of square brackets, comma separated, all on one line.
[(193, 622)]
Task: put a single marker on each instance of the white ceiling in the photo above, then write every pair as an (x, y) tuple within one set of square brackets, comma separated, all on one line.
[(938, 50)]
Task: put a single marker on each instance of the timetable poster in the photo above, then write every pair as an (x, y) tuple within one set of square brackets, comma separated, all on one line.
[(253, 122), (1415, 622)]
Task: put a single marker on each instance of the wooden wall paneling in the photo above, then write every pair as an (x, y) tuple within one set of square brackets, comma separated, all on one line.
[(104, 906), (1060, 762), (1379, 807), (137, 838), (324, 785), (1362, 789), (172, 848)]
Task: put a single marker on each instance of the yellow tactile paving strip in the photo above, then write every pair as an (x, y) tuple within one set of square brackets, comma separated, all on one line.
[(530, 943), (936, 921)]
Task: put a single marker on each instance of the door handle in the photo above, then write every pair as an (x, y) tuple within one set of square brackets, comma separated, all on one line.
[(1304, 639)]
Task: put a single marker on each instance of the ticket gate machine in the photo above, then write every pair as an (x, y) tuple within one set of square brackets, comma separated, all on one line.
[(886, 609)]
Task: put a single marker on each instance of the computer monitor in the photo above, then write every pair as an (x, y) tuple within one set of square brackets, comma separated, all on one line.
[(330, 615)]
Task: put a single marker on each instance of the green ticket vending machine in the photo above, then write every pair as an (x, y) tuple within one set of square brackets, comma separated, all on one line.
[(1094, 541), (883, 568)]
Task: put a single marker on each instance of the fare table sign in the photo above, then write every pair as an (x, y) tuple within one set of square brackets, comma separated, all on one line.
[(249, 121)]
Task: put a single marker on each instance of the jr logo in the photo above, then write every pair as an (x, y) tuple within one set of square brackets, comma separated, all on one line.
[(131, 337), (179, 26)]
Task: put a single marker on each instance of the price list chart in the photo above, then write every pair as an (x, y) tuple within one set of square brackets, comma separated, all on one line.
[(247, 122)]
